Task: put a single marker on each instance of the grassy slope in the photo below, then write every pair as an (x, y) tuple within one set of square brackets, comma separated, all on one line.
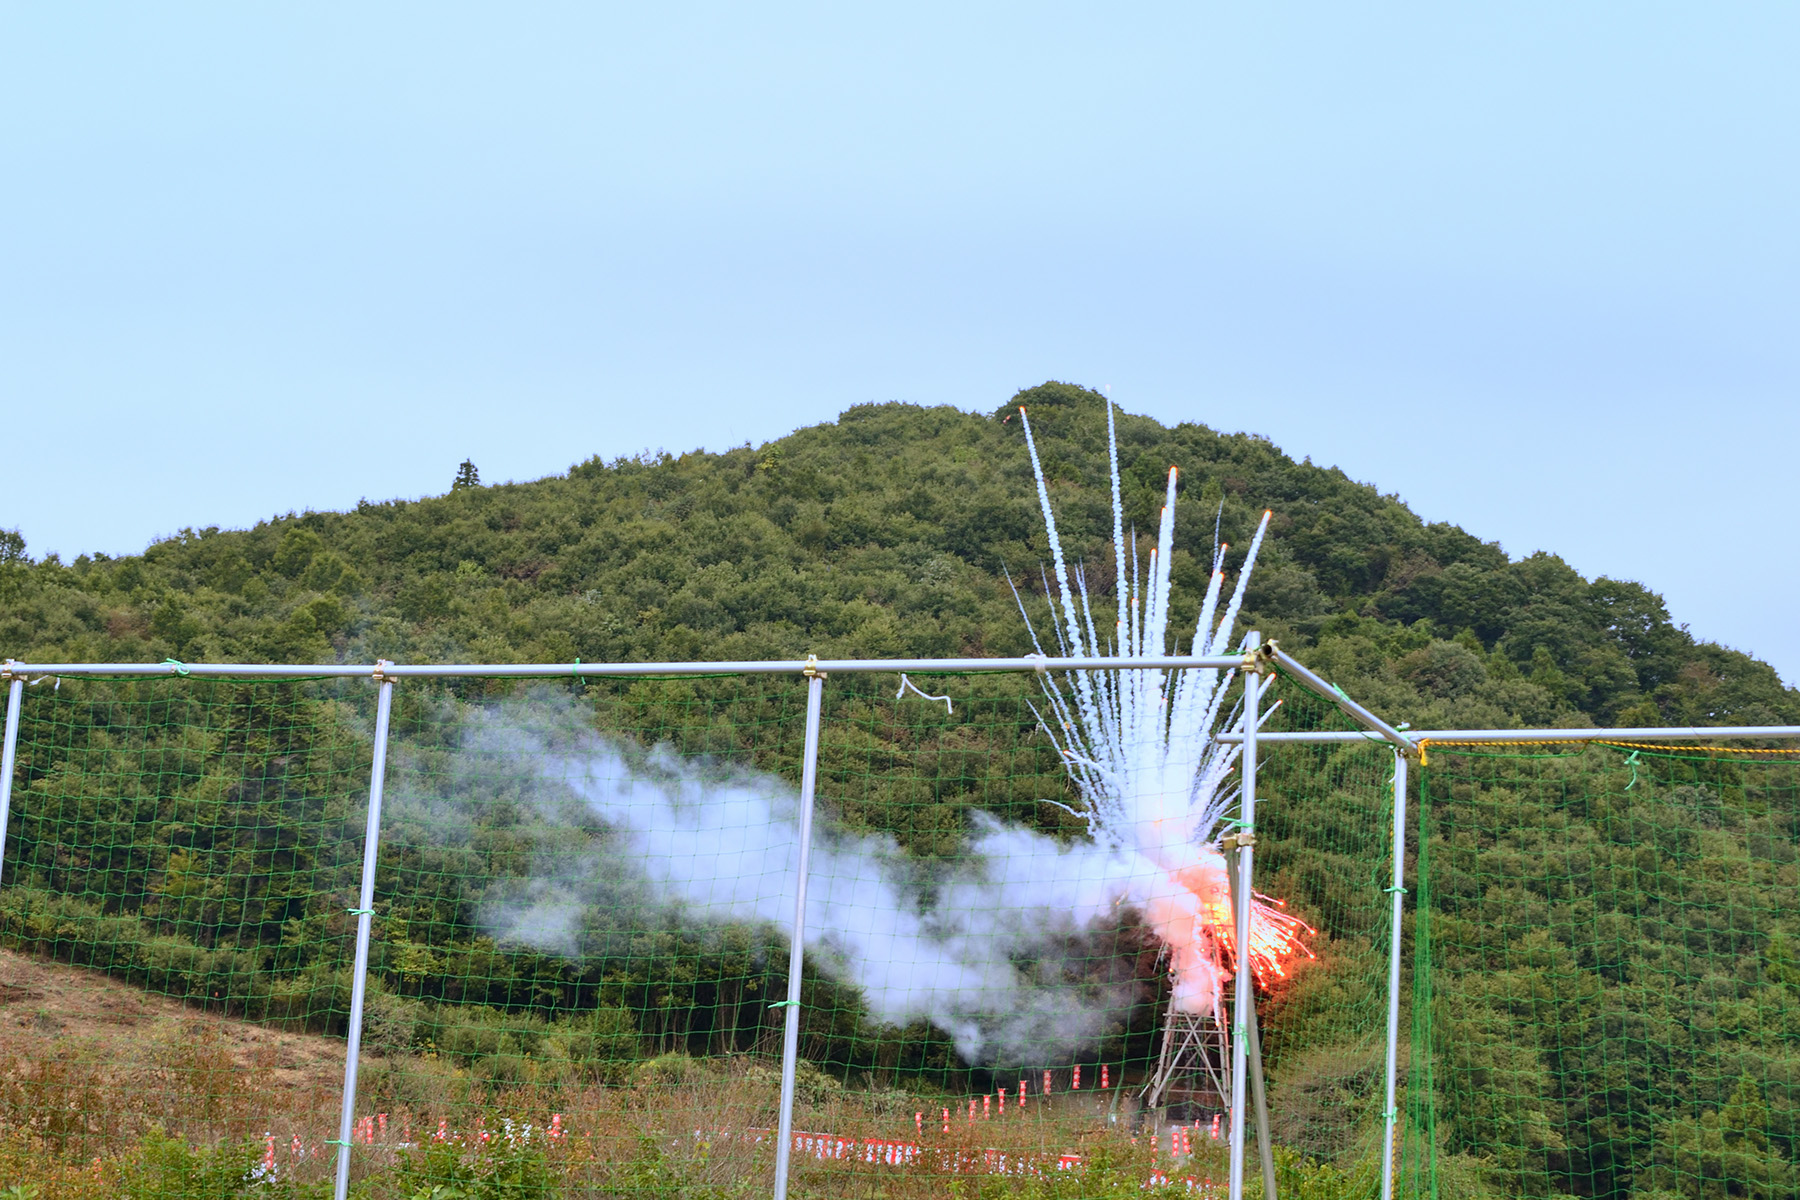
[(95, 1075)]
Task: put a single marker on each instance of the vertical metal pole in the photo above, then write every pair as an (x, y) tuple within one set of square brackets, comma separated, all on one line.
[(15, 696), (1244, 994), (1391, 1114), (365, 912), (1259, 1096), (790, 1046)]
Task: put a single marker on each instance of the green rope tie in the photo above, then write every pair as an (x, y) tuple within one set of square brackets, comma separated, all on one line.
[(180, 667), (576, 674), (360, 912), (1401, 890), (785, 1003), (1632, 763), (338, 1142)]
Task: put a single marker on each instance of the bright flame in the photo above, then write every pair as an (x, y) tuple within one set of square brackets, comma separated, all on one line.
[(1156, 788)]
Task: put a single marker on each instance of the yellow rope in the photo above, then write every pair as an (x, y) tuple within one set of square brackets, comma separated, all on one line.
[(1425, 742), (1708, 749)]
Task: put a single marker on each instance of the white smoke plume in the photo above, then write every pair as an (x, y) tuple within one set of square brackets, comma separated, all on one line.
[(973, 947)]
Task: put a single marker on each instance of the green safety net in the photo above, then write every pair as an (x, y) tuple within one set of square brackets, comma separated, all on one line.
[(580, 949), (1325, 847), (175, 950), (1607, 995)]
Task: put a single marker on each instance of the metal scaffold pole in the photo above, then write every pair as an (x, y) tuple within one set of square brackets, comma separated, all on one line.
[(365, 913), (790, 1046), (1244, 994), (1390, 1113), (1259, 1096), (15, 696)]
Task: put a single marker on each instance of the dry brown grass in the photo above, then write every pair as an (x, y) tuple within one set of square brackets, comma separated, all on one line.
[(89, 1067)]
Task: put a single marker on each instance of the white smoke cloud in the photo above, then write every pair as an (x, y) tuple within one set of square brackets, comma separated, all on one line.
[(971, 946)]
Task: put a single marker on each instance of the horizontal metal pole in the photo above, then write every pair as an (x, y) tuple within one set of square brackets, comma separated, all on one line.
[(598, 670), (1341, 735), (250, 670), (1355, 711), (1427, 737)]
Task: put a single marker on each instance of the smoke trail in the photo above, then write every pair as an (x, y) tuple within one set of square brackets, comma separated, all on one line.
[(975, 947)]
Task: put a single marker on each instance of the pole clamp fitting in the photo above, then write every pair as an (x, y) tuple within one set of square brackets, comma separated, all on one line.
[(1242, 840), (1260, 660), (8, 670), (381, 673), (811, 668)]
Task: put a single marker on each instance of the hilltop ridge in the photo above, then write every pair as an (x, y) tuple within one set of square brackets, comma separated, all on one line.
[(890, 531)]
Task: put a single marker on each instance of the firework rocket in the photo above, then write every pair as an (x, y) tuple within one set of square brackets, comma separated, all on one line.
[(1155, 787)]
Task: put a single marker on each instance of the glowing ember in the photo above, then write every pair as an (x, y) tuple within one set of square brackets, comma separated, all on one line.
[(1156, 789)]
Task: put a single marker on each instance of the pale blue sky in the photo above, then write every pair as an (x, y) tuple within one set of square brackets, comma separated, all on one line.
[(1533, 267)]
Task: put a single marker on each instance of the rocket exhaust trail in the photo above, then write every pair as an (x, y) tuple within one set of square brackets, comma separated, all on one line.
[(1156, 789)]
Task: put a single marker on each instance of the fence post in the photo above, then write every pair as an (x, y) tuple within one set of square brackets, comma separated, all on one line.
[(15, 696), (1390, 1114), (1244, 994), (790, 1047), (1259, 1096), (365, 912)]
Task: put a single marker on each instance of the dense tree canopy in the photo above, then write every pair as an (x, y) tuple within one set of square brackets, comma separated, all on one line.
[(888, 532)]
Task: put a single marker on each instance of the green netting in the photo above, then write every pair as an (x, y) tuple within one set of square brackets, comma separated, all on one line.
[(580, 944), (1325, 846), (191, 846), (1607, 1002)]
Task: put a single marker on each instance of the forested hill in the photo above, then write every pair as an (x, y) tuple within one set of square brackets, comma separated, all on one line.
[(887, 533)]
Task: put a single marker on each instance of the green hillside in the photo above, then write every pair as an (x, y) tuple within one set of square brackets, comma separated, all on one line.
[(203, 838), (887, 533)]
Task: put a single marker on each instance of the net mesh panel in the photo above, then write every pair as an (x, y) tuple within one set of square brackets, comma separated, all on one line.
[(193, 845), (607, 951), (1607, 997), (1324, 820), (580, 938), (1076, 1022), (980, 1047), (581, 897)]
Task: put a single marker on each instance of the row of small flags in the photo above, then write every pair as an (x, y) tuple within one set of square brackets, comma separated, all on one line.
[(828, 1147), (1019, 1099), (370, 1130)]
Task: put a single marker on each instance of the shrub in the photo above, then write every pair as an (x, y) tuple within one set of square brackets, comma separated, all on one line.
[(391, 1023), (506, 1168), (601, 1045), (475, 1032), (167, 1168)]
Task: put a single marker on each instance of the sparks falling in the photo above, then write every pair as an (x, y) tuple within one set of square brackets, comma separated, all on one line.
[(1156, 789)]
